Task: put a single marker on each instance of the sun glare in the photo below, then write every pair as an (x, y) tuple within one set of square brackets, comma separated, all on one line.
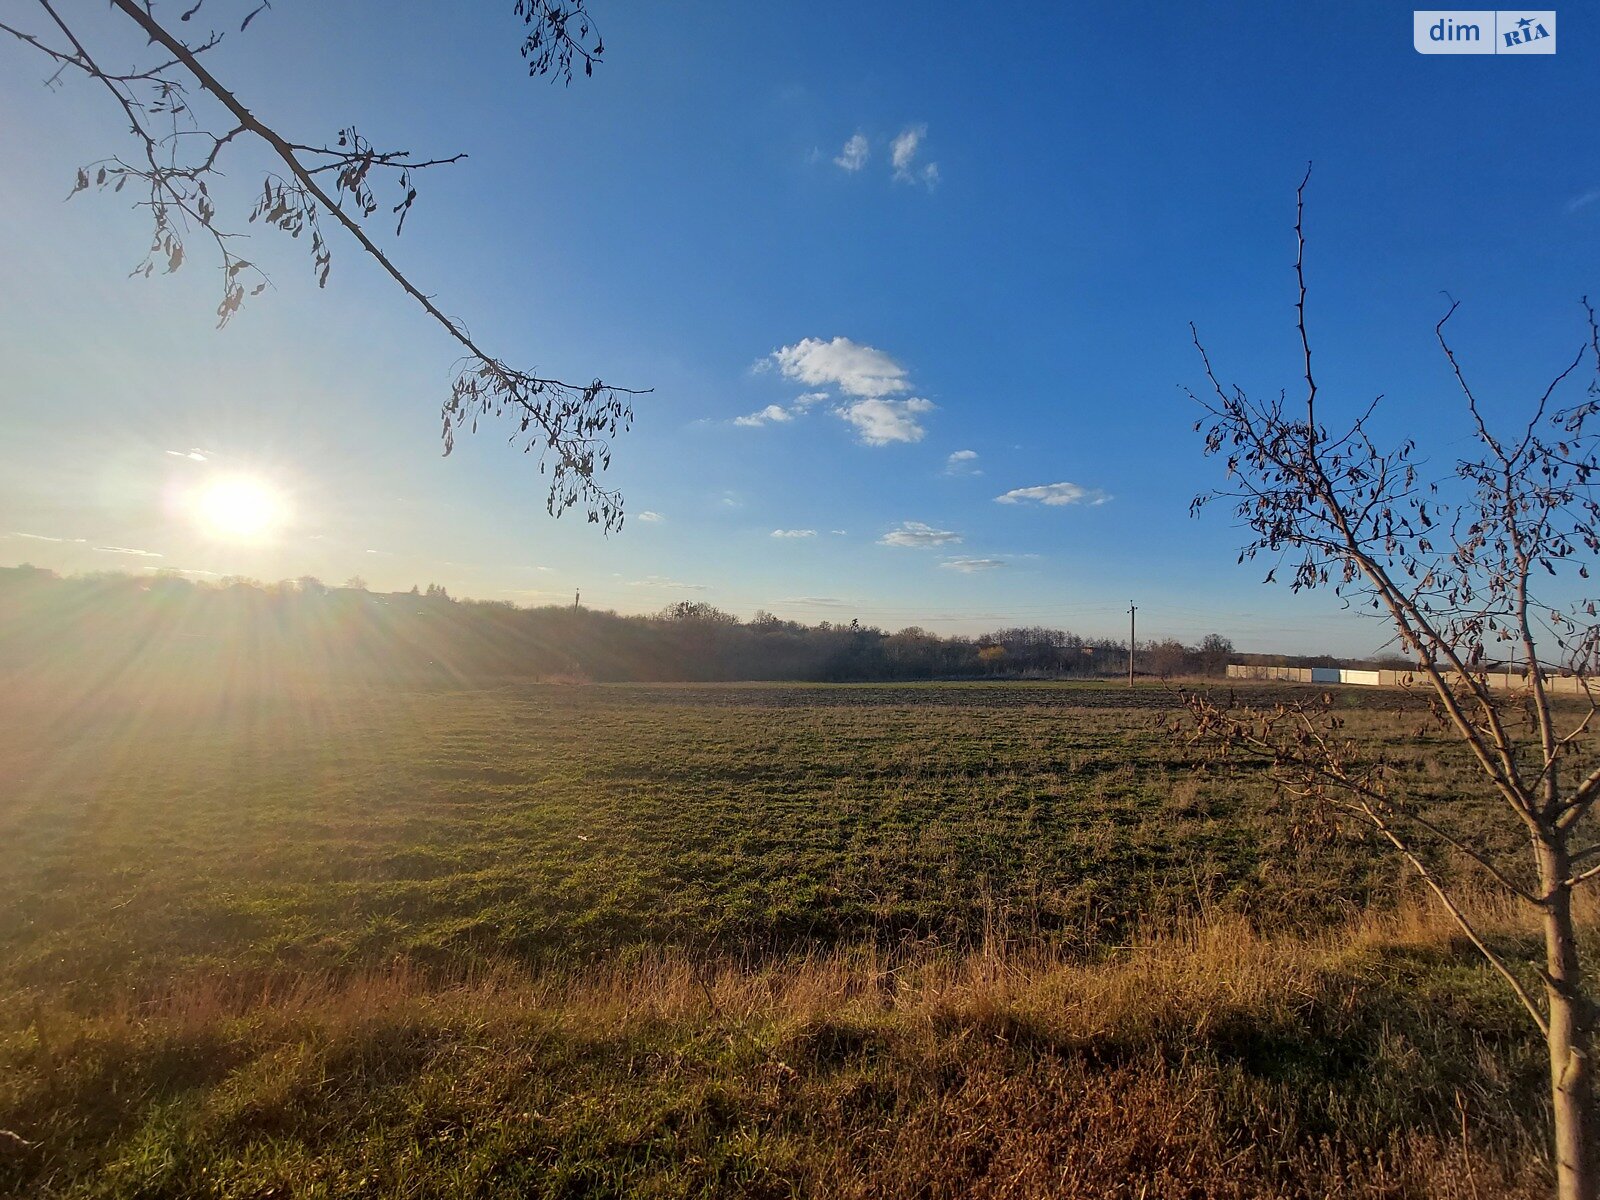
[(239, 508)]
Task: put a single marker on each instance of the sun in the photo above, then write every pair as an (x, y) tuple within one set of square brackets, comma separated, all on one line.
[(239, 508)]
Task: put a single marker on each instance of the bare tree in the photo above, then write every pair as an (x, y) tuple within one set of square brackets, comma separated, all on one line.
[(1493, 554), (183, 122), (1166, 658), (1214, 652)]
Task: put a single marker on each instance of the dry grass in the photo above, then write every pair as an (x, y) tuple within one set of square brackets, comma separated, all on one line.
[(1208, 1059)]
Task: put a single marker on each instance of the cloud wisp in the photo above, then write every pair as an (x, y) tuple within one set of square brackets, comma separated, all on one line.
[(794, 533), (903, 155), (855, 153), (772, 414), (651, 517), (962, 462), (44, 537), (905, 151), (918, 535), (1581, 202), (1054, 495), (661, 581), (777, 414), (129, 550), (971, 566)]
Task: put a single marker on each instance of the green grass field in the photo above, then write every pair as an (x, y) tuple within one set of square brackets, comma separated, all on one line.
[(756, 940)]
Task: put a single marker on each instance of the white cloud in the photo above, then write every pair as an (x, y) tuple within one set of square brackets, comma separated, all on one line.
[(42, 537), (1054, 494), (816, 601), (195, 455), (647, 515), (771, 414), (904, 149), (903, 154), (794, 533), (866, 375), (839, 532), (855, 153), (879, 422), (962, 463), (853, 368), (776, 414), (968, 566), (128, 550), (917, 534)]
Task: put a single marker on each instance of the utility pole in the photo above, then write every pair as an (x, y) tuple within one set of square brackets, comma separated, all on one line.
[(1132, 610)]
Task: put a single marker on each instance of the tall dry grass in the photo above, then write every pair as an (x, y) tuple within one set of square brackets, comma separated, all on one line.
[(1203, 1058)]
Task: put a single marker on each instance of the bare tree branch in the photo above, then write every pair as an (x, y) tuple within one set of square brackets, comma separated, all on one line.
[(568, 425), (1452, 565)]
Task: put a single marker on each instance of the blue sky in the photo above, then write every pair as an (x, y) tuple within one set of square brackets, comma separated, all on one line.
[(1073, 187)]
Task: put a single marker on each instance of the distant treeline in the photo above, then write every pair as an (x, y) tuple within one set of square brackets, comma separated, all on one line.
[(112, 624)]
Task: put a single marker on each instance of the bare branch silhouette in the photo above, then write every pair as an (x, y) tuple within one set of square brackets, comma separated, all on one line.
[(175, 163), (1487, 560)]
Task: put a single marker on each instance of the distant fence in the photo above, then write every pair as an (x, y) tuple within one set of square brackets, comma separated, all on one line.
[(1571, 685)]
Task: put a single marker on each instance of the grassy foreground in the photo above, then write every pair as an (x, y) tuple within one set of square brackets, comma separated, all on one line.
[(935, 941)]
